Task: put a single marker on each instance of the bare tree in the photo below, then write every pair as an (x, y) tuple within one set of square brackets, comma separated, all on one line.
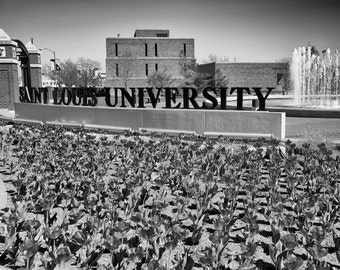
[(68, 74), (219, 80), (213, 58), (87, 72), (80, 74), (47, 71), (125, 67), (287, 76)]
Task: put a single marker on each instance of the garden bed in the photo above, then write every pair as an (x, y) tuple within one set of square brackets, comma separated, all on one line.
[(131, 201)]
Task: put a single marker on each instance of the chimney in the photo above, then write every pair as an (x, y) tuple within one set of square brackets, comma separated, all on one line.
[(31, 40)]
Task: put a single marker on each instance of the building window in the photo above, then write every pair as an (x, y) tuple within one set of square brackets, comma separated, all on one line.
[(156, 50), (185, 50), (116, 49), (117, 70), (279, 77), (14, 52), (2, 52), (162, 35), (146, 70), (156, 67), (146, 49)]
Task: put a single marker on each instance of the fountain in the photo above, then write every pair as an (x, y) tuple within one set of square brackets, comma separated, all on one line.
[(316, 80)]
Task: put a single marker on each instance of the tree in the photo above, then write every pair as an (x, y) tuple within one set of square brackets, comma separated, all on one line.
[(79, 74), (287, 77), (192, 77), (86, 72), (213, 58), (68, 74), (159, 79), (125, 67), (52, 74), (219, 80), (313, 49), (195, 79), (202, 80), (45, 69)]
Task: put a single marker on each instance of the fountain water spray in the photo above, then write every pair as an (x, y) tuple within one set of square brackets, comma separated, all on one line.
[(316, 80)]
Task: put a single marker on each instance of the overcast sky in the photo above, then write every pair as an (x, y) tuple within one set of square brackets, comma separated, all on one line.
[(248, 30)]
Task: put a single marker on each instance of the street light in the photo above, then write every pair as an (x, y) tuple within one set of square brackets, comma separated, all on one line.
[(54, 58), (54, 66)]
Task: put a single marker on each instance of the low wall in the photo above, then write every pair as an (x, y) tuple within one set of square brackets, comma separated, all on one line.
[(199, 121)]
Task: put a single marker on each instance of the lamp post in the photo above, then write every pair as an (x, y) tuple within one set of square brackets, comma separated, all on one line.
[(54, 58), (54, 63)]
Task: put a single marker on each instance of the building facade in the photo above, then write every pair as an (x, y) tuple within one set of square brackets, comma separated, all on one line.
[(250, 74), (129, 61), (35, 64), (48, 82), (8, 71), (17, 61)]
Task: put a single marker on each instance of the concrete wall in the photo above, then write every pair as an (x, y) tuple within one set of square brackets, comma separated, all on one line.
[(199, 121)]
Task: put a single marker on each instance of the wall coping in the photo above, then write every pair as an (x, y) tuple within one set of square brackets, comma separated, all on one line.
[(8, 61)]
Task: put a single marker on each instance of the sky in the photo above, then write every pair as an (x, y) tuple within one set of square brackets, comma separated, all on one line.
[(241, 30)]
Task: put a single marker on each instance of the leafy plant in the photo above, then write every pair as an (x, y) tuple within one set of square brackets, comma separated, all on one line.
[(137, 201)]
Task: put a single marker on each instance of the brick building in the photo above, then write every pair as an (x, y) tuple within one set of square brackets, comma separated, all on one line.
[(133, 59), (35, 64), (17, 60), (8, 71), (249, 74)]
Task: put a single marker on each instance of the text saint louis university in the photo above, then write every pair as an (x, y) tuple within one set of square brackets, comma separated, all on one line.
[(175, 98)]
